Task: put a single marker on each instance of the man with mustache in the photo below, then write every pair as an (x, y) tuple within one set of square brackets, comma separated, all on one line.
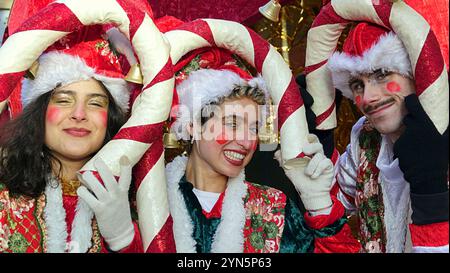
[(394, 173)]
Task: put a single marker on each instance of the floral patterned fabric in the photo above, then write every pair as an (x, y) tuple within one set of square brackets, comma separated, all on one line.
[(273, 223), (369, 197), (20, 230), (265, 218), (22, 225)]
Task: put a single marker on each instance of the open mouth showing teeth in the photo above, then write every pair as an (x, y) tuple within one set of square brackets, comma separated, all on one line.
[(234, 155)]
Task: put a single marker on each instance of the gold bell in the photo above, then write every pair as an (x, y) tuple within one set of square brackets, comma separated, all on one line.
[(271, 10), (170, 141), (32, 71), (134, 75), (268, 135)]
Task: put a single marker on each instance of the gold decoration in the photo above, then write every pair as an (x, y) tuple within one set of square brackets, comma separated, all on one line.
[(6, 4), (267, 133), (69, 187), (171, 141), (271, 10), (134, 75), (32, 71)]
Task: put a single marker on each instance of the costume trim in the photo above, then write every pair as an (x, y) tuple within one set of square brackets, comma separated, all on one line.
[(229, 235), (431, 235), (55, 219), (57, 68)]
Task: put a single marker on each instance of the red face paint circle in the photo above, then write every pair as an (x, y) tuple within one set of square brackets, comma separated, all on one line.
[(358, 100), (104, 118), (222, 138), (52, 114), (393, 87)]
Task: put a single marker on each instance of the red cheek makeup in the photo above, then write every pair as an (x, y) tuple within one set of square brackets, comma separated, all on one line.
[(254, 145), (393, 87), (52, 114), (358, 100), (104, 118), (222, 138)]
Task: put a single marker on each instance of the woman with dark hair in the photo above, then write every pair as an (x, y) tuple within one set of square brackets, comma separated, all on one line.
[(76, 103)]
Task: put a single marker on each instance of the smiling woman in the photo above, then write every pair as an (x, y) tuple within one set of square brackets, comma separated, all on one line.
[(76, 120), (214, 209), (75, 104)]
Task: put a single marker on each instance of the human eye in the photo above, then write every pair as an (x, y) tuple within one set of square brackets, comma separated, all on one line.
[(381, 74), (357, 86), (254, 130), (98, 102), (62, 99), (231, 122)]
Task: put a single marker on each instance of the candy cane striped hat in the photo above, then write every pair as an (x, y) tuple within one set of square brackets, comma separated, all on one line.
[(368, 47)]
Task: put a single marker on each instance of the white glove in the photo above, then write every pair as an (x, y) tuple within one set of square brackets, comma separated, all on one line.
[(312, 178), (110, 203)]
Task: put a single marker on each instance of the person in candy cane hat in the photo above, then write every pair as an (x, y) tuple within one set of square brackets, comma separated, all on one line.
[(76, 103), (214, 209), (395, 168)]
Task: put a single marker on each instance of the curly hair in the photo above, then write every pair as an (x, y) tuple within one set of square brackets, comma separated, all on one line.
[(25, 160)]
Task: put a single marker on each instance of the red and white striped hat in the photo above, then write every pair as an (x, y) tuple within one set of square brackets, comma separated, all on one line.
[(368, 47)]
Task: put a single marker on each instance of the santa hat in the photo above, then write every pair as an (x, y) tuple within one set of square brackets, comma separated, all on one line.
[(82, 61), (368, 47), (204, 77)]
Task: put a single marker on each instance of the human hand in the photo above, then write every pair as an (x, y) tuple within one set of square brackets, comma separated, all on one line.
[(312, 178), (110, 202), (422, 151)]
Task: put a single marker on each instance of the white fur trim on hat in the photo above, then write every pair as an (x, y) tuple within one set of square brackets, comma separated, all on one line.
[(204, 87), (388, 53), (56, 68)]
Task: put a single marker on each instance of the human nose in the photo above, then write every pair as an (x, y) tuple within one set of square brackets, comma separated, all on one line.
[(372, 93), (247, 140), (79, 112)]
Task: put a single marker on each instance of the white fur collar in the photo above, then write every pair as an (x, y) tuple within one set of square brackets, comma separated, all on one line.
[(229, 236), (395, 198), (55, 220)]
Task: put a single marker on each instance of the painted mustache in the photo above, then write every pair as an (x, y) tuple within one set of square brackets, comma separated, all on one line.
[(373, 107)]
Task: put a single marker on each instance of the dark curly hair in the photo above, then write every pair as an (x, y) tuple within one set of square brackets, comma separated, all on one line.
[(25, 160)]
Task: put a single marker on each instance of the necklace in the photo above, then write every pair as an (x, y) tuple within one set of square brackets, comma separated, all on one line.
[(69, 187)]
